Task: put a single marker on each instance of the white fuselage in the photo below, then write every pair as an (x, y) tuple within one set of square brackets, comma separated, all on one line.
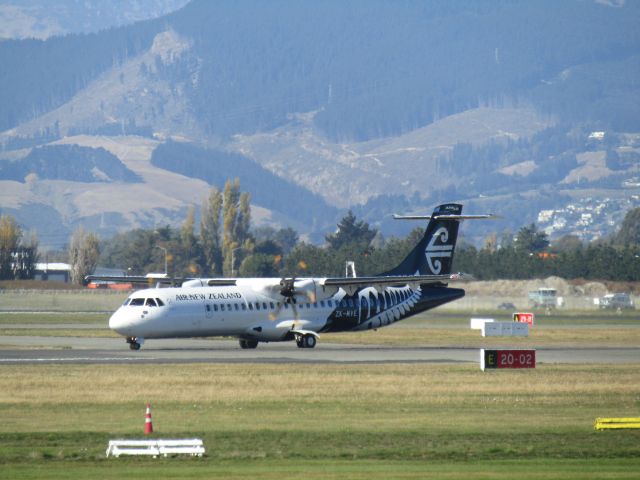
[(244, 310)]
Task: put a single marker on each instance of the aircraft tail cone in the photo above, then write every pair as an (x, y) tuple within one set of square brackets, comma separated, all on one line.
[(148, 425)]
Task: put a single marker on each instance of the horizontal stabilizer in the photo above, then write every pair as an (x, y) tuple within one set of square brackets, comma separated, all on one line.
[(488, 216)]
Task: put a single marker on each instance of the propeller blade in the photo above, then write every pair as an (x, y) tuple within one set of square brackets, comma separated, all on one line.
[(274, 315)]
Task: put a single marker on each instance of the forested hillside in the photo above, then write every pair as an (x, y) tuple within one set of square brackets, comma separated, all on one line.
[(527, 109), (370, 68), (45, 18), (215, 167), (68, 162)]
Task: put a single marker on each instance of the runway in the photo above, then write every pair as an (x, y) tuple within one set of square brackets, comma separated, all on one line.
[(64, 350)]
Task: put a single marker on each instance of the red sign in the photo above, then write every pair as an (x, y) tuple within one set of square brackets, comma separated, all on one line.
[(508, 359), (524, 318)]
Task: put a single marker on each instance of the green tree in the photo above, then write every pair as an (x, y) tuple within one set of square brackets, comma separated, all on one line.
[(567, 243), (189, 253), (530, 239), (231, 198), (84, 252), (351, 231), (236, 217), (629, 233), (210, 232), (25, 258), (260, 265), (10, 235), (287, 238)]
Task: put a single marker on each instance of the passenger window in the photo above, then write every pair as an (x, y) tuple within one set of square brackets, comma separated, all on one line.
[(250, 306), (160, 302), (229, 307), (215, 307), (272, 305), (151, 302), (286, 306), (302, 305), (315, 304), (237, 307), (243, 306), (264, 305), (222, 307), (257, 306), (208, 308), (322, 303)]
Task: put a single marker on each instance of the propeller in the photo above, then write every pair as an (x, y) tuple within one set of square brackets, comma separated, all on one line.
[(289, 293), (288, 290)]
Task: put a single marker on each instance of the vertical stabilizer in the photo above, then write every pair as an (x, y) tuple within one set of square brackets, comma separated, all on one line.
[(434, 253)]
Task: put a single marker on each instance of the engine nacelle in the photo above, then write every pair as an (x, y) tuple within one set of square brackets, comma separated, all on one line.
[(309, 290)]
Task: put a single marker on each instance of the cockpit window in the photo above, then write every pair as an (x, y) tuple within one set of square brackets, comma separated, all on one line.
[(136, 302), (126, 302), (151, 302), (160, 302)]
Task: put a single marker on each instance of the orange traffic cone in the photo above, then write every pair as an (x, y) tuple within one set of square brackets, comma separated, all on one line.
[(148, 426)]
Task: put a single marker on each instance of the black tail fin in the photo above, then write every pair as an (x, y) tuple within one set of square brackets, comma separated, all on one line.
[(434, 253)]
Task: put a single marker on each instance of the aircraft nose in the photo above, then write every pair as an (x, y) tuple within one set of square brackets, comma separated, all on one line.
[(119, 322)]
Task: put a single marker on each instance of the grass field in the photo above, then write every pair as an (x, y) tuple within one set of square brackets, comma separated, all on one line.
[(285, 421), (563, 328), (322, 421)]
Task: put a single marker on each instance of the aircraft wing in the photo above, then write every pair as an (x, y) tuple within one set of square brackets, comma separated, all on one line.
[(158, 279), (355, 282), (129, 279)]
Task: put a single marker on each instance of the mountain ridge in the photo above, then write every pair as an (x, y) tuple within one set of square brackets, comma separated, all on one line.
[(360, 104)]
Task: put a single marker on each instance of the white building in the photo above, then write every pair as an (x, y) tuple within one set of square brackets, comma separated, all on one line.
[(55, 271)]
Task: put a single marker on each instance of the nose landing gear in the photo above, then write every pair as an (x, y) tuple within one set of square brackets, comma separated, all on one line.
[(135, 343), (245, 344)]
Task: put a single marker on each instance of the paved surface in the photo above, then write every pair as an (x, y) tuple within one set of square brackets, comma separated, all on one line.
[(43, 350)]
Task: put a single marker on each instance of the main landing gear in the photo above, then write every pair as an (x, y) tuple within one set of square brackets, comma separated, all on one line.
[(245, 344), (135, 343), (306, 341)]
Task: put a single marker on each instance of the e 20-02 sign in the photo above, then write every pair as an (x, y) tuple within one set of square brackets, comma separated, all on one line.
[(507, 359)]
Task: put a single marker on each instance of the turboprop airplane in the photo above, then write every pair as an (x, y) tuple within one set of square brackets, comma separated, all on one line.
[(273, 309)]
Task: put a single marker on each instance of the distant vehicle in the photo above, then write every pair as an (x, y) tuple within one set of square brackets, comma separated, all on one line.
[(543, 298), (617, 301), (506, 306)]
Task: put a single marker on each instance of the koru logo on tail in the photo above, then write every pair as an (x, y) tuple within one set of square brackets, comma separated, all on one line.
[(434, 252)]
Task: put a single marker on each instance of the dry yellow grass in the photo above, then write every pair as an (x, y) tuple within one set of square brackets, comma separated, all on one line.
[(396, 397), (557, 337), (227, 384)]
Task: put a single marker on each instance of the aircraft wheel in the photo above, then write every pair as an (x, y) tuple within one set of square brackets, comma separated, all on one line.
[(300, 342), (246, 344), (309, 341), (134, 346)]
